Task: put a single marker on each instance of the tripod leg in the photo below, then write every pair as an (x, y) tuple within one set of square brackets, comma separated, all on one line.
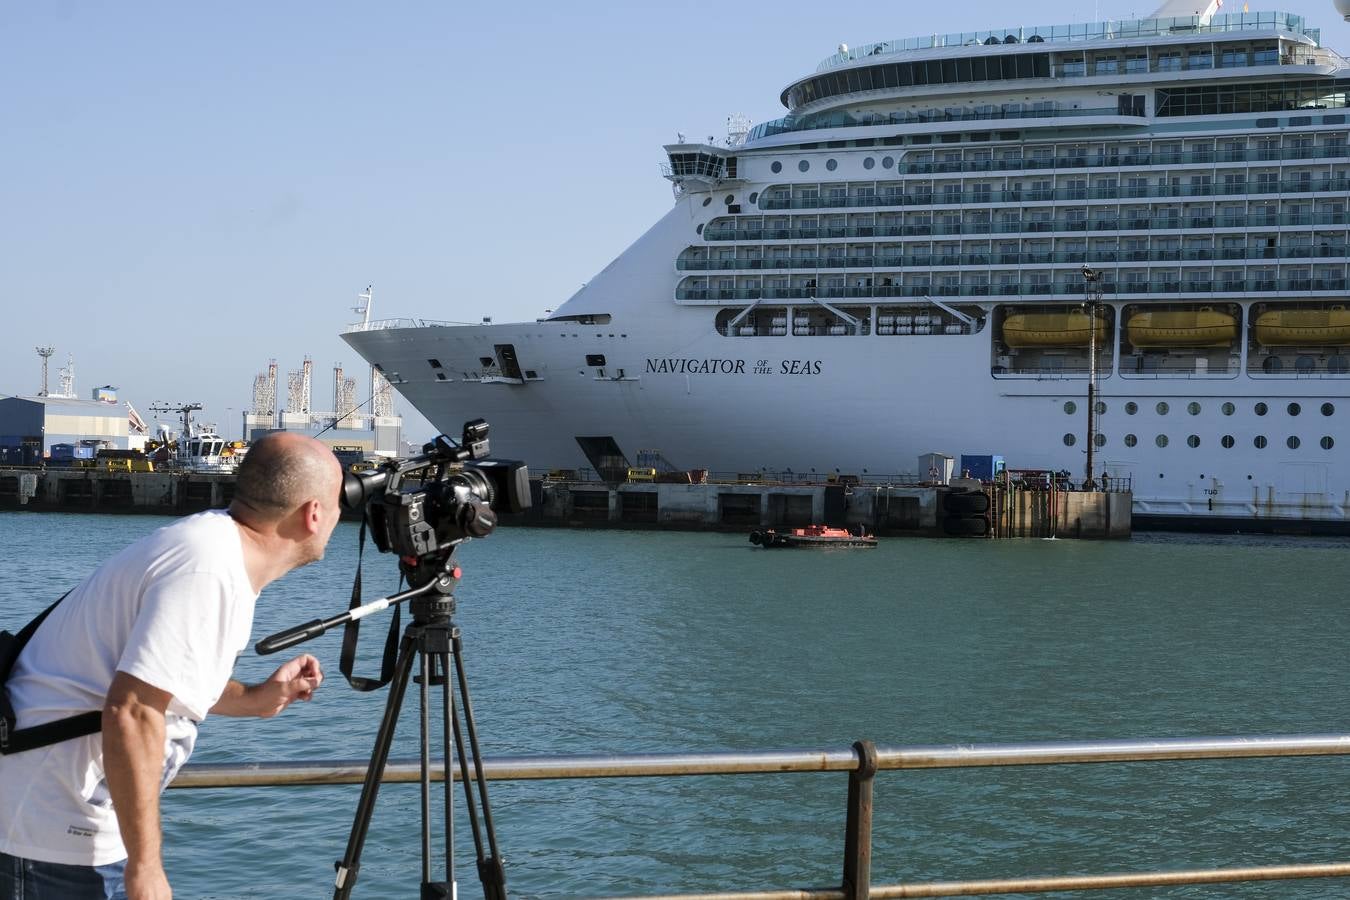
[(350, 865), (490, 871), (447, 716), (424, 783)]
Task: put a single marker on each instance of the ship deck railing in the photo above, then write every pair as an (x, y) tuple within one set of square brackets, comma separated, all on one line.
[(861, 763), (382, 324)]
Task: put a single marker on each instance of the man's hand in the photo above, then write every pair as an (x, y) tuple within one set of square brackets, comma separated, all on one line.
[(295, 680), (146, 883)]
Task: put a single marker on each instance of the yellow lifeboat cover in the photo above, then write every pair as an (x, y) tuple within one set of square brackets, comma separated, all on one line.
[(1303, 327), (1058, 329), (1204, 327)]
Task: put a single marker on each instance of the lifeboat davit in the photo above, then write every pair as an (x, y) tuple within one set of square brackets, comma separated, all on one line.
[(1303, 327), (1203, 327), (1060, 329)]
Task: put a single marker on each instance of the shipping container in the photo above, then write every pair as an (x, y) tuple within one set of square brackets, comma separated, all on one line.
[(985, 467)]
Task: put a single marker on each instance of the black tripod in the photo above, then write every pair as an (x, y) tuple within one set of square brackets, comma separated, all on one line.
[(432, 639)]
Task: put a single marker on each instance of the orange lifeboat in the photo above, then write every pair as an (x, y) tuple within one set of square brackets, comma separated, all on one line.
[(1203, 327), (1303, 327), (1057, 329)]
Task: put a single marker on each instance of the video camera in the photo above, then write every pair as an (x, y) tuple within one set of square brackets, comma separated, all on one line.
[(420, 507)]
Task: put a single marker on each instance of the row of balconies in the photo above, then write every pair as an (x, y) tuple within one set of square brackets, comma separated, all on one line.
[(1029, 289), (1122, 159), (922, 260), (1030, 195), (1039, 226)]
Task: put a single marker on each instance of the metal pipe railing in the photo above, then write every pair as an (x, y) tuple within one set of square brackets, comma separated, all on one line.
[(862, 762)]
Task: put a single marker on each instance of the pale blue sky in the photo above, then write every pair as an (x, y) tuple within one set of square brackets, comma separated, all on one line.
[(189, 190)]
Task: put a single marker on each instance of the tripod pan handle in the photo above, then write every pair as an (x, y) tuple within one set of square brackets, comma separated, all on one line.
[(290, 637)]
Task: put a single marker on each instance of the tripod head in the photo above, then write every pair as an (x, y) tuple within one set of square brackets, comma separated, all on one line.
[(435, 604)]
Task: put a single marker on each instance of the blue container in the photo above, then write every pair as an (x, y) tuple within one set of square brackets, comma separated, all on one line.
[(985, 467), (63, 451)]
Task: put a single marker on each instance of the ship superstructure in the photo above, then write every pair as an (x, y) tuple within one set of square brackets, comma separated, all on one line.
[(927, 250)]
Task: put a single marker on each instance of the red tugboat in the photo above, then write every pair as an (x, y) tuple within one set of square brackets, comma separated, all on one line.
[(812, 536)]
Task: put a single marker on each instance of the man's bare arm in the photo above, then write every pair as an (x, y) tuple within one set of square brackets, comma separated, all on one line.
[(294, 680), (133, 760)]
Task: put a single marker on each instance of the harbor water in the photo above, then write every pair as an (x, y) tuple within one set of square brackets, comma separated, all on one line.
[(614, 641)]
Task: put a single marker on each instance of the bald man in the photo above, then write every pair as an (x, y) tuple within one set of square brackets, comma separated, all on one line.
[(151, 638)]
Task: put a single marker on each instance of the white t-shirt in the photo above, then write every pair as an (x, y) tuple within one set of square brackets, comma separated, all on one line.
[(174, 609)]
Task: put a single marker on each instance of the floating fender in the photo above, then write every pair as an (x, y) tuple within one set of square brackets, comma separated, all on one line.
[(966, 504), (778, 541), (971, 527), (755, 538)]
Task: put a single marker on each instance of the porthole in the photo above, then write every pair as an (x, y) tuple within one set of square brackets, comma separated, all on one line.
[(1327, 442), (887, 162), (1099, 439), (1259, 442), (754, 196), (1227, 442), (1328, 409), (1193, 408), (775, 167), (1100, 407), (1260, 409), (1193, 441), (1292, 442), (1131, 440), (730, 199), (1161, 440), (1228, 409), (699, 229), (1294, 409), (869, 163), (831, 164), (803, 165), (1131, 408), (1070, 407), (707, 200), (1070, 439), (1162, 407)]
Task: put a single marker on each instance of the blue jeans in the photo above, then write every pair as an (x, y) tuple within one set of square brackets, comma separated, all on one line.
[(27, 879)]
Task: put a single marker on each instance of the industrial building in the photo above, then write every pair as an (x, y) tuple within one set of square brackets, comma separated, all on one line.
[(36, 423)]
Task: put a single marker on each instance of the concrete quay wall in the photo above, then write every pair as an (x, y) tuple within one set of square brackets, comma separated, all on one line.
[(880, 509)]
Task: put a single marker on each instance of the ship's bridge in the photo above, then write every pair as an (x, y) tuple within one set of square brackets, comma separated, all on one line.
[(700, 165)]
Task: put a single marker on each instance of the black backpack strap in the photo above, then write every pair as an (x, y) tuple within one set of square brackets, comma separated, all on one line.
[(17, 740), (352, 631)]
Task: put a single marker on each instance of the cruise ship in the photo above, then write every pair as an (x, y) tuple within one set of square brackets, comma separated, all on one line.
[(939, 247)]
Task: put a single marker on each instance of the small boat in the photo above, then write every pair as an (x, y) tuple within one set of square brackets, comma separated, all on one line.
[(812, 536), (1296, 327), (1203, 327), (1060, 329)]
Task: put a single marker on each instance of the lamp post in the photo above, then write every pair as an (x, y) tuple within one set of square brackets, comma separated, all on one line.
[(1092, 296)]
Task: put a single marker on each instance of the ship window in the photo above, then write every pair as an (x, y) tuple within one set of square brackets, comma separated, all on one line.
[(1193, 408), (1131, 440), (1193, 441), (1228, 409), (1070, 407), (1162, 409), (1099, 439), (707, 200), (775, 167), (1131, 408), (699, 229), (1100, 406), (486, 361), (1295, 409), (1328, 409), (754, 195), (1259, 442), (595, 359), (434, 363), (831, 164), (1070, 439), (869, 163), (440, 376), (1227, 442), (803, 165), (1260, 409), (1161, 440), (729, 199), (1292, 443), (1327, 442), (887, 162)]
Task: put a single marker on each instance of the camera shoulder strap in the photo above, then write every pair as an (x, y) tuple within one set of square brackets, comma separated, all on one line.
[(352, 630), (17, 740)]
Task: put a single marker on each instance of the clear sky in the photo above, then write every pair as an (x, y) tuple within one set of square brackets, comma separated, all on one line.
[(189, 190)]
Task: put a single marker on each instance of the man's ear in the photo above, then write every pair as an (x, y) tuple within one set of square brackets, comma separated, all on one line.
[(312, 514)]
